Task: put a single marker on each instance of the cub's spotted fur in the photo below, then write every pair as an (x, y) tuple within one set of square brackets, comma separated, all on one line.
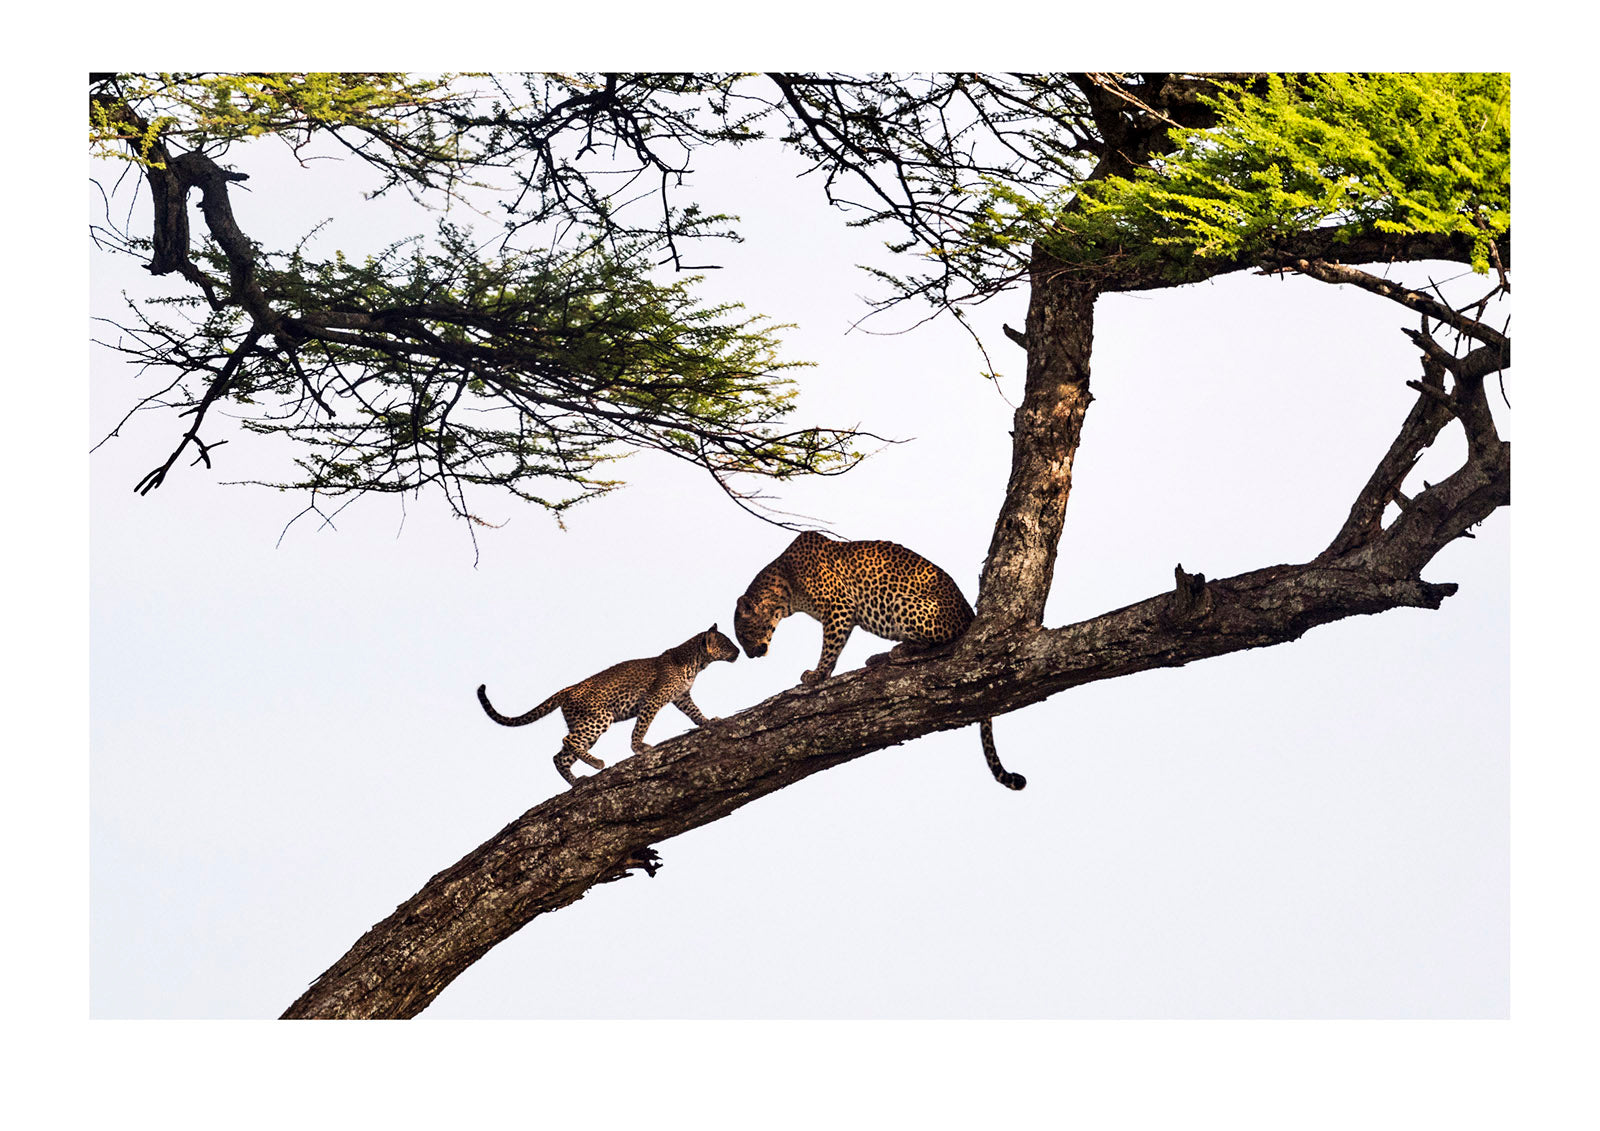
[(881, 586), (632, 688)]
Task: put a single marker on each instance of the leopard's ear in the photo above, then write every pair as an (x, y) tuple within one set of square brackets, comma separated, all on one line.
[(743, 604)]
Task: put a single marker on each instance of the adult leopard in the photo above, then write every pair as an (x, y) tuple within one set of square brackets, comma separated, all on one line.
[(883, 587)]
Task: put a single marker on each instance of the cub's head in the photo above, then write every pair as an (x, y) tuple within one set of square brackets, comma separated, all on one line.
[(753, 622), (718, 646)]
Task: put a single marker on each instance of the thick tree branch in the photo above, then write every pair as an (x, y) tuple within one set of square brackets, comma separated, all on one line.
[(1134, 118), (554, 853), (195, 169), (1329, 245), (1443, 512), (1428, 417), (608, 825), (1474, 365), (1022, 553)]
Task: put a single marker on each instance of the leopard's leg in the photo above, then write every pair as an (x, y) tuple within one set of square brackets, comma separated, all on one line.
[(656, 700), (686, 705), (835, 631), (570, 753), (583, 730)]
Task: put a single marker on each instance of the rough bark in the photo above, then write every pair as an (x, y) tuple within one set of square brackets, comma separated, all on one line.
[(606, 826), (1022, 553)]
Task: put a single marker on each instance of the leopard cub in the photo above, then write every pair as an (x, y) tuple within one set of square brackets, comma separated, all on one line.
[(623, 691), (883, 587)]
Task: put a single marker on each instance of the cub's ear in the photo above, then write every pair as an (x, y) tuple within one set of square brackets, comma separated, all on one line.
[(710, 630)]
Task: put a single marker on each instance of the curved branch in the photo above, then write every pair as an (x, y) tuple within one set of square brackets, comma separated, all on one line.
[(155, 478), (606, 826), (195, 169), (1405, 296)]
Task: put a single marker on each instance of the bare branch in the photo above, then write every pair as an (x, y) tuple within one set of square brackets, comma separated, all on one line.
[(1414, 300), (155, 478)]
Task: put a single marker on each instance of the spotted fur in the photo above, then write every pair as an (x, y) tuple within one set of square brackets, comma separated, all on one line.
[(633, 688), (883, 587)]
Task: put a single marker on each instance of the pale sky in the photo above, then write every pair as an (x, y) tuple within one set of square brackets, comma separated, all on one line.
[(285, 743)]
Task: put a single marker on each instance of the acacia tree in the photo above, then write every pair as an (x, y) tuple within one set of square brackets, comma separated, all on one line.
[(1078, 185)]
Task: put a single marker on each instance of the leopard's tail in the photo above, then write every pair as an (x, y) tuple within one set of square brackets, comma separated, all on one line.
[(538, 712), (986, 733)]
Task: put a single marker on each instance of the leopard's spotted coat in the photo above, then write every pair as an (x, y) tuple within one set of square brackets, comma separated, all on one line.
[(633, 688), (883, 587)]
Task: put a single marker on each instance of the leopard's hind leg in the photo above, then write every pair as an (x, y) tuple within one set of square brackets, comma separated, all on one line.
[(570, 753), (583, 730)]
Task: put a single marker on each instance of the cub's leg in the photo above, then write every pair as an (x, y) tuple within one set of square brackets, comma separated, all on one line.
[(658, 698), (570, 753), (686, 705), (583, 729), (835, 631)]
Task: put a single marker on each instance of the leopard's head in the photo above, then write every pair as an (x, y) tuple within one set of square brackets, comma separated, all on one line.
[(753, 622), (719, 647)]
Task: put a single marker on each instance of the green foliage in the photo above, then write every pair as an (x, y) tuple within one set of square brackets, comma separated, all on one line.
[(1385, 153), (524, 371), (213, 109), (448, 363), (397, 123), (469, 362)]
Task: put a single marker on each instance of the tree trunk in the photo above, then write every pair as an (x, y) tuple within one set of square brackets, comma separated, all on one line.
[(1022, 553)]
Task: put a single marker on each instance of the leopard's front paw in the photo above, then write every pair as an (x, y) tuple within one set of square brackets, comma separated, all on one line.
[(642, 747), (813, 676)]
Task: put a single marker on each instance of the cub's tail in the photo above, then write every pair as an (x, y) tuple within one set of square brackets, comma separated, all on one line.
[(538, 712), (985, 732)]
